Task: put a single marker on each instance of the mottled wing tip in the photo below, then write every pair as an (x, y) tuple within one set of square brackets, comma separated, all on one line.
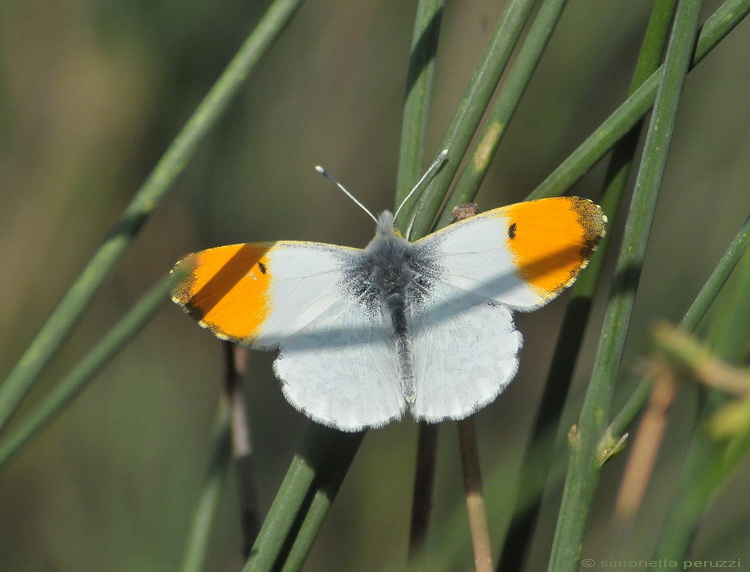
[(593, 221)]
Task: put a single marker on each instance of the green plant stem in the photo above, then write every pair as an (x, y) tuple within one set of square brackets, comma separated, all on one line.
[(565, 357), (334, 469), (635, 107), (513, 88), (208, 500), (471, 108), (585, 461), (299, 492), (290, 499), (73, 383), (419, 81), (69, 311), (697, 311)]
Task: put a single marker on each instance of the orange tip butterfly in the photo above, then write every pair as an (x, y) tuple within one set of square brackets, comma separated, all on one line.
[(424, 326)]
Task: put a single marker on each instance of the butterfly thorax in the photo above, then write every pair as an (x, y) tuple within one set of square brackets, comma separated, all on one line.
[(387, 258)]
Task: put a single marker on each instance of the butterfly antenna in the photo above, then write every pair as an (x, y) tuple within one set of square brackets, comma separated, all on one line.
[(430, 171), (331, 178)]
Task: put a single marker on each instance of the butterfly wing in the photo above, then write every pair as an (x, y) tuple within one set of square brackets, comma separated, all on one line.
[(522, 255), (465, 350), (341, 369), (337, 363), (517, 257)]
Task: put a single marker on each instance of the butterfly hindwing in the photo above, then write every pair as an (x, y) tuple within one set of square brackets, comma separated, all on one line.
[(465, 351), (341, 369)]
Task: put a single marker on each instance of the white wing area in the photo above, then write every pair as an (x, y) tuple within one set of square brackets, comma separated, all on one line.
[(465, 353), (306, 282), (341, 370), (474, 257)]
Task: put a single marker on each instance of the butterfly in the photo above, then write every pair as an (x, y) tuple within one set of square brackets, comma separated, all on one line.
[(427, 326)]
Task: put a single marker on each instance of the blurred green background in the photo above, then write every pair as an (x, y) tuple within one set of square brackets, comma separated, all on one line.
[(91, 94)]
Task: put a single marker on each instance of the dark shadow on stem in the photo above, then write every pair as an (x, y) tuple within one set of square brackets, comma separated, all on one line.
[(423, 47)]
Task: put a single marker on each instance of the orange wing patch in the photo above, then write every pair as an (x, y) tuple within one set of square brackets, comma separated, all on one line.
[(552, 239), (227, 290)]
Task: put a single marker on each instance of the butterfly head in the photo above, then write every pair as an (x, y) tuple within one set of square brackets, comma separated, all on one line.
[(386, 234), (386, 225)]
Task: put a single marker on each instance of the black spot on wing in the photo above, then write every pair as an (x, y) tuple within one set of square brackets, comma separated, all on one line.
[(512, 231)]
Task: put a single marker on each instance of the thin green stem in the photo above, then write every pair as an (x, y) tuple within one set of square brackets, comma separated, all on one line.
[(302, 483), (208, 499), (69, 311), (585, 463), (697, 311), (73, 383), (471, 108), (577, 312), (513, 88), (635, 107), (335, 468), (419, 81)]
